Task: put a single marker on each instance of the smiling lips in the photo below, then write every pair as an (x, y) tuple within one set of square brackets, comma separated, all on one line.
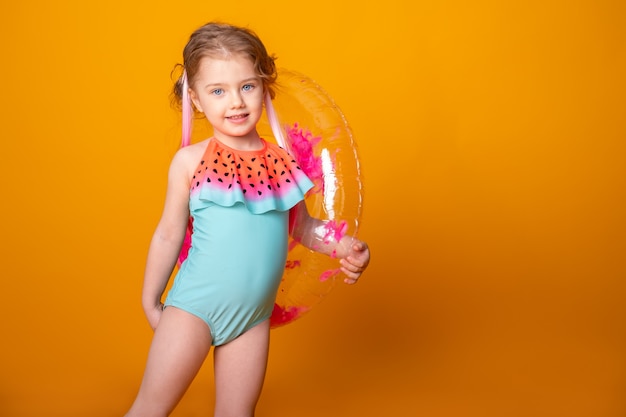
[(238, 117)]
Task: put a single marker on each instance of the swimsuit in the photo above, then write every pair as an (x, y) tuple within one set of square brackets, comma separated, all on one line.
[(239, 206)]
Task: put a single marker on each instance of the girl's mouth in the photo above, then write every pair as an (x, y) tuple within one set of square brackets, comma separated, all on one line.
[(237, 117)]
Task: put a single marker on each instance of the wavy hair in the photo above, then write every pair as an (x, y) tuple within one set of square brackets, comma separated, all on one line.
[(220, 40)]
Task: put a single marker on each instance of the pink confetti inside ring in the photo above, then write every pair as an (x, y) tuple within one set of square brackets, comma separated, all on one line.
[(313, 128)]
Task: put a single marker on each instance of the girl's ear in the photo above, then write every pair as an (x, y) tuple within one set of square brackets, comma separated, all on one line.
[(194, 100)]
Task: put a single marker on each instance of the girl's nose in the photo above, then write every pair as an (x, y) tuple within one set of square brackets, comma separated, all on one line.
[(236, 101)]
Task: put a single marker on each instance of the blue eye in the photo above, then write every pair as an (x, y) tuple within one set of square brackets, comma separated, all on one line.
[(217, 92), (247, 87)]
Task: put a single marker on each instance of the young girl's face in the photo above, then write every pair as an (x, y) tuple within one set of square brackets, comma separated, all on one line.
[(230, 94)]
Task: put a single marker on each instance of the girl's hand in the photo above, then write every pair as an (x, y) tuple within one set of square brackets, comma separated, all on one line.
[(355, 263), (154, 315)]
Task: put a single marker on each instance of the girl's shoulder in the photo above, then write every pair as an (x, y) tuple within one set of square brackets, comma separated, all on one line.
[(187, 158)]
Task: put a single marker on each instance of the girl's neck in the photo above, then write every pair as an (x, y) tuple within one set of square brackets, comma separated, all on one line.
[(250, 142)]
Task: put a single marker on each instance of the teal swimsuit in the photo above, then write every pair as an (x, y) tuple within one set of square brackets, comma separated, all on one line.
[(239, 204)]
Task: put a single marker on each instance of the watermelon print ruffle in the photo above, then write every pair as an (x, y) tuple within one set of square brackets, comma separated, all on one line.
[(264, 180)]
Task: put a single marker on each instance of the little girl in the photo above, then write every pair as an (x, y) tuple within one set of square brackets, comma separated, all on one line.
[(224, 292)]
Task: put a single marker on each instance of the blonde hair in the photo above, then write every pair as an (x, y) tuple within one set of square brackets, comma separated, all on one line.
[(219, 40)]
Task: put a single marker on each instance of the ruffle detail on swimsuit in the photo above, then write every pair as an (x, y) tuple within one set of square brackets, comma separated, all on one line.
[(264, 180)]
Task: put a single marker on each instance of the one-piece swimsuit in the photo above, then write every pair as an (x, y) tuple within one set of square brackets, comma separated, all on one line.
[(239, 206)]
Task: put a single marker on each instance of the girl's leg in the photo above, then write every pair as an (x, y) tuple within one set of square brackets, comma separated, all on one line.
[(239, 372), (180, 345)]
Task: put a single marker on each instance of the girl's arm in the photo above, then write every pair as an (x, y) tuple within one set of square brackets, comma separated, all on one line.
[(168, 237), (322, 236)]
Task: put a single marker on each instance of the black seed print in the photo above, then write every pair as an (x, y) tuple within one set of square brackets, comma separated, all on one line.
[(229, 186), (277, 185), (258, 173), (238, 166), (197, 183), (251, 185), (199, 172), (269, 186), (218, 153), (282, 172), (249, 175), (260, 193), (216, 161), (262, 182), (270, 177), (249, 168), (208, 180), (220, 180), (287, 180), (202, 162), (225, 165), (262, 165), (245, 191), (215, 170), (226, 174), (275, 160)]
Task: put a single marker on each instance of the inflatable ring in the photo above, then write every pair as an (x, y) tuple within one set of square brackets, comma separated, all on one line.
[(308, 123)]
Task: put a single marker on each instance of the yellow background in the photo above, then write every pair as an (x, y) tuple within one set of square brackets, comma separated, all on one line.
[(492, 139)]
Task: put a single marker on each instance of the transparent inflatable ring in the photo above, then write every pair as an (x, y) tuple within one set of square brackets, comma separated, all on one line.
[(305, 120)]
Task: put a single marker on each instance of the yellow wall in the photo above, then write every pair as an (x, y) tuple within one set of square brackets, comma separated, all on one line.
[(492, 138)]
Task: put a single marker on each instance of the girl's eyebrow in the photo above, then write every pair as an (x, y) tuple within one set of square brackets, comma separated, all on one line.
[(213, 85)]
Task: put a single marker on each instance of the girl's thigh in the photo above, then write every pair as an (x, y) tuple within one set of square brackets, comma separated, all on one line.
[(240, 370), (179, 347)]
